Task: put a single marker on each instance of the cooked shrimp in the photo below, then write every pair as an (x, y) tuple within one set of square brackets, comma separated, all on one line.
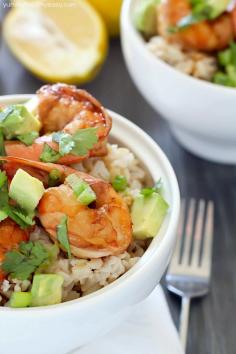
[(206, 35), (10, 237), (101, 230), (66, 108)]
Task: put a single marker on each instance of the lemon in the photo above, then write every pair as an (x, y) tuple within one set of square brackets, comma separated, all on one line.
[(66, 41), (110, 11)]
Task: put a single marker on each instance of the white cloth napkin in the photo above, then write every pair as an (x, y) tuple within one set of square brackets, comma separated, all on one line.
[(150, 330)]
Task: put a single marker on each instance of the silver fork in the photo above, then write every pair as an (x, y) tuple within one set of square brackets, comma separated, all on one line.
[(189, 271)]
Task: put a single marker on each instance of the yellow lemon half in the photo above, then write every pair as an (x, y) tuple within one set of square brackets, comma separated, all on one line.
[(60, 40), (110, 11)]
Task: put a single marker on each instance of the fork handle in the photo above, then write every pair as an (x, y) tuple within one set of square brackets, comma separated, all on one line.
[(184, 319)]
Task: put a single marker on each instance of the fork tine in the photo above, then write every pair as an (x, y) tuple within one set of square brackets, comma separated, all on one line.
[(197, 237), (188, 233), (177, 252), (208, 238)]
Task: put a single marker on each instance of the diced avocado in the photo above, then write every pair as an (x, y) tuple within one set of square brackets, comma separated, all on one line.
[(218, 7), (147, 215), (20, 299), (26, 190), (32, 105), (145, 17), (47, 289), (84, 193), (28, 138), (17, 120)]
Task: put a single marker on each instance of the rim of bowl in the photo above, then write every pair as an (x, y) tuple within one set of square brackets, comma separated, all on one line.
[(134, 272), (127, 24)]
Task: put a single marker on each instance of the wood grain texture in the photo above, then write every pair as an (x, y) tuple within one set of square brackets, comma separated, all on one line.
[(212, 320)]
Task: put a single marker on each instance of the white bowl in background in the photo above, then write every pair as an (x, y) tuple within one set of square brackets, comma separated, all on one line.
[(202, 115), (61, 328)]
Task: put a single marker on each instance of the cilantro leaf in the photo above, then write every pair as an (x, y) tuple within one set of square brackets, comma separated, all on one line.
[(20, 216), (28, 138), (22, 263), (5, 113), (65, 141), (84, 139), (2, 146), (3, 178), (53, 251), (3, 190), (200, 12), (49, 155), (78, 144), (25, 217), (150, 190), (158, 185), (62, 235)]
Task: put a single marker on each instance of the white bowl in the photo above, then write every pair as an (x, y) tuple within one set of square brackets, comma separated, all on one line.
[(202, 115), (61, 328)]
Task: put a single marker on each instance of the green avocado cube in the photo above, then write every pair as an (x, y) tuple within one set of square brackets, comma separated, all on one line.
[(20, 299), (148, 213), (26, 190), (217, 7), (47, 289), (145, 17), (17, 120)]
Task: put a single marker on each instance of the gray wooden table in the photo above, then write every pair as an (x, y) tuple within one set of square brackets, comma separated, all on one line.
[(213, 319)]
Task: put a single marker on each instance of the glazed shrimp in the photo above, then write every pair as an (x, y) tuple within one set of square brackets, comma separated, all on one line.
[(93, 232), (206, 35), (10, 237), (65, 108)]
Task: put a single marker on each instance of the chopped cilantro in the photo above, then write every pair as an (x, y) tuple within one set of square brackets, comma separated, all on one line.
[(84, 139), (28, 138), (150, 190), (119, 183), (62, 235), (227, 61), (24, 218), (78, 143), (65, 141), (53, 251), (20, 216), (49, 155), (2, 146), (3, 178), (201, 11), (22, 263), (3, 190)]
